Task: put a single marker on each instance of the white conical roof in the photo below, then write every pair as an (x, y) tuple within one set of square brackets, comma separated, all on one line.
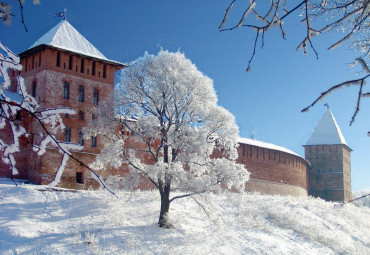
[(65, 36), (327, 131)]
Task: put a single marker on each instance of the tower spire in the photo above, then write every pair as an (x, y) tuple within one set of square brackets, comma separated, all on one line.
[(61, 14), (327, 131)]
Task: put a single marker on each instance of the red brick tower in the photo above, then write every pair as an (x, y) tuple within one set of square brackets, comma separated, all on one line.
[(330, 157), (63, 69)]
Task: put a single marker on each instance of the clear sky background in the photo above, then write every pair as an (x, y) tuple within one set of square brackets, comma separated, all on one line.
[(266, 102)]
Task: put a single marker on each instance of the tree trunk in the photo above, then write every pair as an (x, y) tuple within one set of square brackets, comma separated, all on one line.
[(165, 194), (165, 206)]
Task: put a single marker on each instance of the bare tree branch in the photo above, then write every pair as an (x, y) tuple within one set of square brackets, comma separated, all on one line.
[(22, 21), (331, 89)]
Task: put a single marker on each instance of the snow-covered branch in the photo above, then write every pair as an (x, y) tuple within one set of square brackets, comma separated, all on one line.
[(349, 15), (336, 15)]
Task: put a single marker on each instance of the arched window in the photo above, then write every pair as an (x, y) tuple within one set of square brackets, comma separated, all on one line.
[(66, 90), (81, 96), (81, 137), (58, 59), (34, 89), (67, 134), (96, 97), (81, 115)]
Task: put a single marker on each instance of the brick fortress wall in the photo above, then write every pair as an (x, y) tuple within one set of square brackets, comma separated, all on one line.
[(46, 70), (273, 171)]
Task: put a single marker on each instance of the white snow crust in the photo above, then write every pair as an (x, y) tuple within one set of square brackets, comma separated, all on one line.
[(327, 131), (65, 36), (265, 145), (95, 222)]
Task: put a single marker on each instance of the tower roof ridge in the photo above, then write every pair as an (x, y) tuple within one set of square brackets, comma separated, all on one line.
[(65, 36), (327, 131)]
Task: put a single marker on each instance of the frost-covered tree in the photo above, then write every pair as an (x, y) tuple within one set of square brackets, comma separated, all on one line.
[(350, 17), (166, 126)]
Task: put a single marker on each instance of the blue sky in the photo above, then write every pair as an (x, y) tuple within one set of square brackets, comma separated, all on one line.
[(266, 102)]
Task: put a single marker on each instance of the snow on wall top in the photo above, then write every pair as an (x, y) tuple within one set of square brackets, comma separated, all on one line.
[(65, 36), (327, 131), (266, 145)]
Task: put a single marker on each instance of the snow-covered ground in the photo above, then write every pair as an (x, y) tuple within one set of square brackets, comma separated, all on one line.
[(95, 222)]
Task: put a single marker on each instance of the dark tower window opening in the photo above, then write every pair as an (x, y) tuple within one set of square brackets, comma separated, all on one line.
[(96, 97), (67, 135), (70, 62), (81, 95), (58, 59), (82, 65), (39, 59), (66, 90), (81, 115), (93, 141), (79, 178), (34, 89), (93, 69), (105, 71), (81, 137)]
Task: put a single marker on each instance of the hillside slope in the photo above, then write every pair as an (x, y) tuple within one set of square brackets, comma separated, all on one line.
[(95, 222)]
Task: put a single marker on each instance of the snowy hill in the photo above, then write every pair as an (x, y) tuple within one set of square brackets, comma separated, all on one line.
[(95, 222)]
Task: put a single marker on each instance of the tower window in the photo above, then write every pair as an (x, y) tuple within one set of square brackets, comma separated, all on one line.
[(70, 62), (58, 59), (81, 137), (34, 89), (93, 68), (81, 96), (96, 97), (39, 59), (66, 90), (79, 178), (93, 141), (82, 65), (81, 115), (67, 135), (105, 71)]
